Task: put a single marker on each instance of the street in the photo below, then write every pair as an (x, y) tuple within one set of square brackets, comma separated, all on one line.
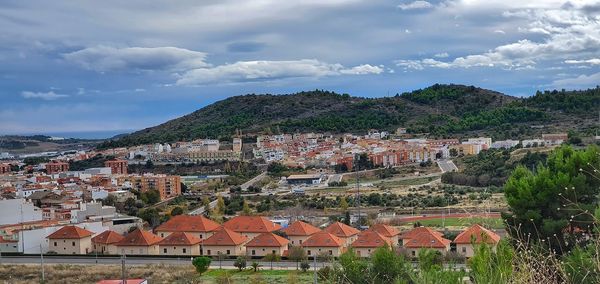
[(447, 166)]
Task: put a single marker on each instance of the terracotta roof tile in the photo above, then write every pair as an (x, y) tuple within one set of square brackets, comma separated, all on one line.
[(139, 238), (477, 234), (70, 232), (187, 223), (180, 239), (225, 237), (300, 228), (107, 237), (268, 240), (371, 239), (417, 231), (423, 237), (385, 230), (251, 224), (341, 230), (323, 239)]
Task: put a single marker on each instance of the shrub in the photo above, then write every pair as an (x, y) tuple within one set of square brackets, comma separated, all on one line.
[(304, 265), (240, 263), (201, 263)]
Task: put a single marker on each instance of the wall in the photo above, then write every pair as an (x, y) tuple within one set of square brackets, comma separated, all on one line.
[(10, 211), (233, 250), (262, 251), (178, 250)]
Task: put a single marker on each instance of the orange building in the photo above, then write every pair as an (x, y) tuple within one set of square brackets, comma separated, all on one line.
[(167, 186), (55, 167), (117, 166), (4, 168)]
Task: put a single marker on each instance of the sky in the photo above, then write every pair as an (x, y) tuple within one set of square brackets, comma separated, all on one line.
[(111, 66)]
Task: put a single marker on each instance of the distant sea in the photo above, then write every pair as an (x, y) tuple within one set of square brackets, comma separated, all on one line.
[(104, 134)]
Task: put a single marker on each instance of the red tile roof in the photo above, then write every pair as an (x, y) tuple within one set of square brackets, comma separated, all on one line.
[(477, 234), (225, 237), (107, 237), (187, 223), (341, 230), (371, 239), (139, 237), (385, 230), (180, 239), (251, 224), (300, 228), (268, 240), (423, 237), (70, 232), (323, 239)]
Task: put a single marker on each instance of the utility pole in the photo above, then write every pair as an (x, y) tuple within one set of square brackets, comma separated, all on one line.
[(123, 272), (315, 267), (42, 264)]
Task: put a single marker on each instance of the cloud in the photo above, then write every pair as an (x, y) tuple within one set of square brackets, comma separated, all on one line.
[(49, 96), (104, 58), (442, 55), (593, 61), (415, 5), (579, 82), (251, 71)]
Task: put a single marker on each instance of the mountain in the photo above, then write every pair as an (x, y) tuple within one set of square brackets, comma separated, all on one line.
[(440, 110)]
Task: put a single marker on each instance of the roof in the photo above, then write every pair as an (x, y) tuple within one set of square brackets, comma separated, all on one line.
[(251, 224), (385, 230), (139, 237), (107, 237), (305, 176), (70, 232), (418, 231), (187, 223), (225, 237), (323, 239), (180, 239), (423, 237), (268, 240), (477, 234), (371, 239), (300, 228), (341, 230)]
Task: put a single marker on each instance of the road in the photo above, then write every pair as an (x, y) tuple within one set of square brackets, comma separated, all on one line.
[(447, 166)]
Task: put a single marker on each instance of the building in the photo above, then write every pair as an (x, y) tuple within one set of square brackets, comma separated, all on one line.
[(528, 143), (346, 233), (105, 242), (486, 141), (197, 226), (472, 236), (168, 186), (368, 241), (55, 167), (424, 238), (251, 226), (505, 144), (305, 179), (387, 231), (555, 138), (266, 243), (13, 211), (71, 240), (4, 169), (224, 242), (237, 145), (299, 231), (323, 243), (117, 166), (180, 243), (139, 242)]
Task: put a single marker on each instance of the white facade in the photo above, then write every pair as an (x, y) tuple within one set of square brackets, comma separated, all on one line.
[(31, 240), (13, 211), (505, 144)]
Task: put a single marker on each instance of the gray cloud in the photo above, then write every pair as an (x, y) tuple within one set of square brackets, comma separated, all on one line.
[(415, 5)]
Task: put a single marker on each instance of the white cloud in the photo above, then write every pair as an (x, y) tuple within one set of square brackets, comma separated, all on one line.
[(249, 71), (579, 82), (49, 96), (593, 61), (442, 55), (104, 58), (415, 5)]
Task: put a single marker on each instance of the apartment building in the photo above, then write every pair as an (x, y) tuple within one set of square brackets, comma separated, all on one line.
[(168, 186), (55, 167), (117, 166)]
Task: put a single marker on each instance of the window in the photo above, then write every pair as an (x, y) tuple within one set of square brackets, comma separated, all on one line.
[(300, 241), (73, 243), (164, 250), (184, 251), (263, 249), (309, 252), (330, 252), (228, 252), (273, 251), (464, 249), (253, 252), (413, 253), (55, 244), (208, 252)]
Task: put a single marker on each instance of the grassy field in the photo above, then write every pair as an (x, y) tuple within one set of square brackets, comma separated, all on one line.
[(59, 273), (495, 223), (414, 181)]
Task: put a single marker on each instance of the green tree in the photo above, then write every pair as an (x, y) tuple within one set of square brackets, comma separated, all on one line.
[(492, 266), (296, 253), (246, 211), (201, 264), (304, 265), (176, 211), (151, 196), (220, 205), (343, 203), (255, 265), (387, 266), (353, 268), (240, 263)]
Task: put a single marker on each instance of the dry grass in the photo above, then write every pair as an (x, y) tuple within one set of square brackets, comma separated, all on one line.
[(60, 273)]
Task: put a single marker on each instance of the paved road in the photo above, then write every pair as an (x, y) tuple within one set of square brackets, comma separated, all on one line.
[(253, 181), (447, 166)]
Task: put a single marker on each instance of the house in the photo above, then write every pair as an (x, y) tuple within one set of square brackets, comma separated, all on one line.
[(555, 138), (139, 242), (198, 226), (71, 240), (346, 233), (472, 236), (324, 242), (251, 226), (299, 231), (424, 238), (388, 232), (267, 243), (180, 243), (368, 241), (305, 179), (104, 243), (224, 242)]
